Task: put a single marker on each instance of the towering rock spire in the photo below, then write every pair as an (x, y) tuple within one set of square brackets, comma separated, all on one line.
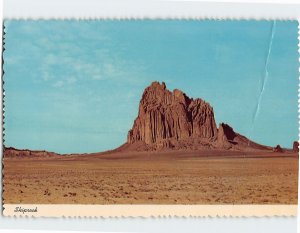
[(172, 120), (167, 117)]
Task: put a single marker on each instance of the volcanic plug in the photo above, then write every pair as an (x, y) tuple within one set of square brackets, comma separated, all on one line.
[(172, 120)]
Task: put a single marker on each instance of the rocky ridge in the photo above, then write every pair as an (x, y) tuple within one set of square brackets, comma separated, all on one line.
[(13, 152)]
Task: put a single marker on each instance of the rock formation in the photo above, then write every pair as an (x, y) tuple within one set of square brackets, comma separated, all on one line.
[(225, 137), (278, 149), (296, 146), (167, 117), (12, 152), (172, 120)]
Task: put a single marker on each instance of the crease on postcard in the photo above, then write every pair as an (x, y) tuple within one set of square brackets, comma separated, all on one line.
[(264, 78)]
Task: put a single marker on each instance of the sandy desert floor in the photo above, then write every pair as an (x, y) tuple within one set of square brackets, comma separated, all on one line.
[(177, 178)]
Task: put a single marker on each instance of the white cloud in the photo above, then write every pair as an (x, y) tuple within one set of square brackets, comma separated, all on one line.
[(72, 63), (50, 59), (71, 80), (12, 60), (58, 84), (45, 76)]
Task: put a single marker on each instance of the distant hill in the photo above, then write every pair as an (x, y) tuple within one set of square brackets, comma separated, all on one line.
[(13, 152)]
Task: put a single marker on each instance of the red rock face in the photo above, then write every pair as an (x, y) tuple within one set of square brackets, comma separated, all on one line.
[(226, 136), (296, 146), (12, 152), (278, 149), (172, 120), (167, 117)]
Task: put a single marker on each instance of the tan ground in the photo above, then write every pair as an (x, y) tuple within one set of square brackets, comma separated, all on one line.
[(153, 179)]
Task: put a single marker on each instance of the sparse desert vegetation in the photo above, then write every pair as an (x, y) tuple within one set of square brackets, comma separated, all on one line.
[(153, 178)]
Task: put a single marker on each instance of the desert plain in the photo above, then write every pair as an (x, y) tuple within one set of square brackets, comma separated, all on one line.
[(179, 177)]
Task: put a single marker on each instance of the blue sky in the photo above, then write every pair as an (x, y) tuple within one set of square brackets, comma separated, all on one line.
[(74, 86)]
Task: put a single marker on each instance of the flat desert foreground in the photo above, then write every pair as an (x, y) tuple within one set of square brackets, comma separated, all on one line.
[(156, 178)]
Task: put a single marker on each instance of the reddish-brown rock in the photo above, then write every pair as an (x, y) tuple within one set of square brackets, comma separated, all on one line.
[(166, 118), (229, 139), (12, 152), (278, 149), (172, 120), (296, 146), (225, 137)]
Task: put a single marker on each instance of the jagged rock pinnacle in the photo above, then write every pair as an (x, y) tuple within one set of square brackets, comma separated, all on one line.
[(172, 120), (171, 116)]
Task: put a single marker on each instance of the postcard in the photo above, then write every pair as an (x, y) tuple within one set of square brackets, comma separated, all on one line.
[(150, 117)]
